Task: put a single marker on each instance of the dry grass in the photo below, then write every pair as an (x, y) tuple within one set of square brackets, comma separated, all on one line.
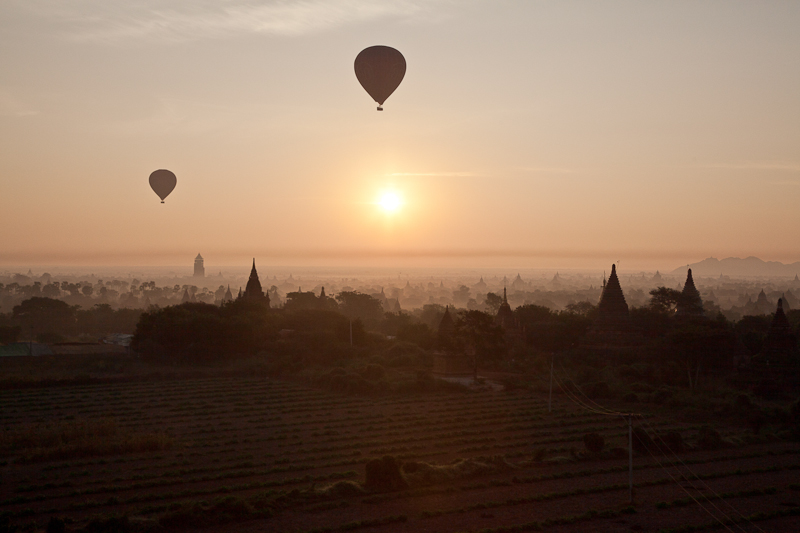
[(419, 474)]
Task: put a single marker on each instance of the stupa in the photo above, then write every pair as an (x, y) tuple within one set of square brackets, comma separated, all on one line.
[(253, 291), (612, 328), (690, 303)]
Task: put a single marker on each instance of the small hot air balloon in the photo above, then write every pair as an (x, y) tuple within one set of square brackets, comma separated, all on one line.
[(162, 182), (380, 69)]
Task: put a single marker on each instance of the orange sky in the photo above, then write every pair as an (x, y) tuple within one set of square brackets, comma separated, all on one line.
[(527, 134)]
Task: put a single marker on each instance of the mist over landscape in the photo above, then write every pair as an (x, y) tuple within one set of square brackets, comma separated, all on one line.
[(319, 266)]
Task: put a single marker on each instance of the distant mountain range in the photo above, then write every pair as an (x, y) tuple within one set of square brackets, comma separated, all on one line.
[(736, 267)]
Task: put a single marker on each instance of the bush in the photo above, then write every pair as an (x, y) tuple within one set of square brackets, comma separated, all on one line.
[(373, 372), (384, 475), (594, 442), (631, 397), (743, 401), (662, 396), (709, 439)]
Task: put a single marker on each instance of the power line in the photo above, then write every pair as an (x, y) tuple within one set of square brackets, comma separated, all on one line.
[(602, 410), (716, 495)]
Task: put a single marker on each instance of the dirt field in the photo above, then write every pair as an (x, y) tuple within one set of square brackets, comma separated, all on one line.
[(260, 455)]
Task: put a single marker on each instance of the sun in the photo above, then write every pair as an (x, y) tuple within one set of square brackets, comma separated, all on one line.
[(390, 202)]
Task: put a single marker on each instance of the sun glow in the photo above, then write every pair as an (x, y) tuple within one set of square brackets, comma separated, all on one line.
[(390, 202)]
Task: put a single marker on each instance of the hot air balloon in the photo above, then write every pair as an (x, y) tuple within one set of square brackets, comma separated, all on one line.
[(162, 182), (380, 69)]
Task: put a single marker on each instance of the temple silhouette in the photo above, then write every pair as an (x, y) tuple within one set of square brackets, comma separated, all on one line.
[(199, 269), (612, 328), (253, 291), (690, 303)]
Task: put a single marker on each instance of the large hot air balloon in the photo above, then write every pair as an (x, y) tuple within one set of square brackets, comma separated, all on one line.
[(162, 182), (380, 69)]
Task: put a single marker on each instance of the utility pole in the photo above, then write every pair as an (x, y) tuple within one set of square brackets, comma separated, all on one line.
[(550, 398), (630, 455)]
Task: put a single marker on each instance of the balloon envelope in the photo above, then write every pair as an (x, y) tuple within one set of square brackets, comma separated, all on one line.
[(162, 182), (380, 69)]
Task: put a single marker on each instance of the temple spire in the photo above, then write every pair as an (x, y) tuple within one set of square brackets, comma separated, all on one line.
[(691, 303), (612, 301)]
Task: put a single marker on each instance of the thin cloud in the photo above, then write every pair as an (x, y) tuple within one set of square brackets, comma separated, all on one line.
[(781, 166), (434, 174), (117, 21), (546, 170)]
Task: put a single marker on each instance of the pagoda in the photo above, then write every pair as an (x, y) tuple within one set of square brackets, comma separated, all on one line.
[(252, 291), (690, 303), (612, 304), (612, 328), (199, 269), (505, 316)]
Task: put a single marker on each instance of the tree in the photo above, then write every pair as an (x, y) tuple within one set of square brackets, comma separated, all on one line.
[(587, 309), (664, 300), (199, 331), (431, 315), (357, 305), (479, 335), (45, 316), (699, 343), (302, 300), (461, 295), (493, 302)]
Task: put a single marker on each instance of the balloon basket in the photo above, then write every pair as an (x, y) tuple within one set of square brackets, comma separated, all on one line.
[(162, 201), (380, 108)]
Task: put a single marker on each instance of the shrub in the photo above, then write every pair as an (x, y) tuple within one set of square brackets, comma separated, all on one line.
[(662, 396), (709, 439), (631, 397), (384, 475), (594, 442), (743, 401), (373, 372)]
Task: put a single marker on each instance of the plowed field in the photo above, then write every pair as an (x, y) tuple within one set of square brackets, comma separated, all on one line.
[(261, 455)]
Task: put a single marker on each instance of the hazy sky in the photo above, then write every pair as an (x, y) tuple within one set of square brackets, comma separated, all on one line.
[(525, 133)]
